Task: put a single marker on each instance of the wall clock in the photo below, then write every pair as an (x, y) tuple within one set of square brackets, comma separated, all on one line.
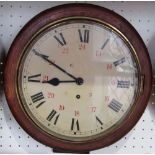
[(78, 77)]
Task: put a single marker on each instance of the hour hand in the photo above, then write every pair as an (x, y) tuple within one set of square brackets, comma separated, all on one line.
[(56, 81)]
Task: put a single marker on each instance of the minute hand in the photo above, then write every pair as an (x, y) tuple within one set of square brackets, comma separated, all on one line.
[(55, 65)]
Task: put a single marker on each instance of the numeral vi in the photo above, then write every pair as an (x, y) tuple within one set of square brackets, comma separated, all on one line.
[(75, 125)]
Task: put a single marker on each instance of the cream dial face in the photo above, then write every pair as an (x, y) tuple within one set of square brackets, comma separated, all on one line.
[(78, 80)]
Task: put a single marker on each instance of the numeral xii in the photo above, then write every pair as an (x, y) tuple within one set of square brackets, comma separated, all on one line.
[(84, 35)]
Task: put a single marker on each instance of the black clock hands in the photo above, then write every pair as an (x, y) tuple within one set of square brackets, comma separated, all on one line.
[(55, 65), (56, 81), (78, 81)]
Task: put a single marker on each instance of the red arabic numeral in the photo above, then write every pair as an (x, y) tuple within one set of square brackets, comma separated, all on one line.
[(61, 107), (98, 53), (106, 99), (109, 66), (82, 46), (93, 109), (65, 50), (50, 95), (77, 113), (45, 78)]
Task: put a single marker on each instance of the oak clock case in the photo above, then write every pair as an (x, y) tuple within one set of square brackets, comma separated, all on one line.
[(78, 77)]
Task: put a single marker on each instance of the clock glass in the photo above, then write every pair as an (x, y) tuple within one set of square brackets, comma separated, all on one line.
[(78, 79)]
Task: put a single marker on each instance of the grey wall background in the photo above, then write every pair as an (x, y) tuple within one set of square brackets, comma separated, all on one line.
[(14, 15)]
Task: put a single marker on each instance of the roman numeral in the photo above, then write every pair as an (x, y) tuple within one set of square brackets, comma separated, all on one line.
[(105, 43), (115, 105), (75, 125), (123, 84), (38, 97), (34, 78), (53, 115), (40, 104), (84, 36), (60, 39), (98, 120), (118, 62)]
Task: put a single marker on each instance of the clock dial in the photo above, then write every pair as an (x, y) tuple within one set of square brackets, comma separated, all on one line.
[(78, 80)]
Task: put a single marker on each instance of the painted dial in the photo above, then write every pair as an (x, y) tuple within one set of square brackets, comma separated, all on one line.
[(78, 80)]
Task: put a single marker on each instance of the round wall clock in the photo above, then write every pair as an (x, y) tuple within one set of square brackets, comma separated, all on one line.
[(78, 77)]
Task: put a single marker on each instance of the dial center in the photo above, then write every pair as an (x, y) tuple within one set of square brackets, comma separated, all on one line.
[(79, 81)]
